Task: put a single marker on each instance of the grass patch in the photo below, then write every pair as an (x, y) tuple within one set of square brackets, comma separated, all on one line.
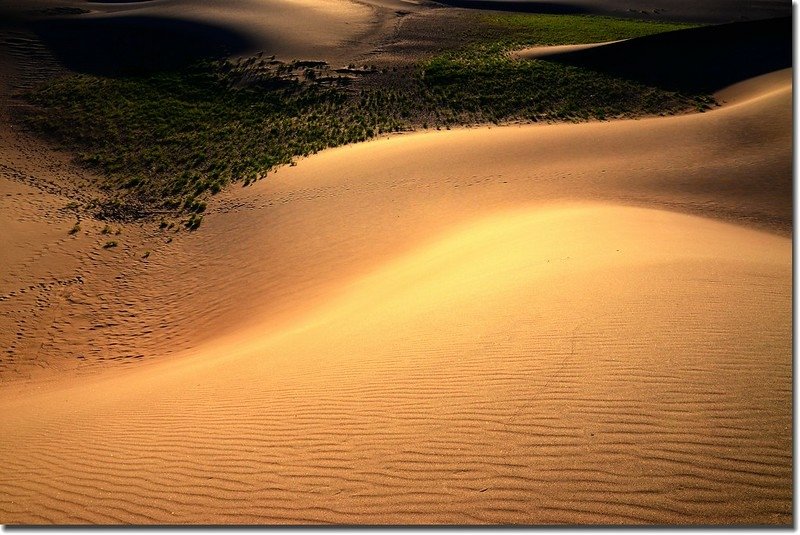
[(524, 29), (168, 139), (484, 85)]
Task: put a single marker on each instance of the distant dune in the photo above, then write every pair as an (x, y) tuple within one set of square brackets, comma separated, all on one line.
[(115, 37), (703, 59), (556, 51), (136, 43), (713, 11)]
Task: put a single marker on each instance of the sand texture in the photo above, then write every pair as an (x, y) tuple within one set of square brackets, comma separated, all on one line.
[(393, 336), (535, 324)]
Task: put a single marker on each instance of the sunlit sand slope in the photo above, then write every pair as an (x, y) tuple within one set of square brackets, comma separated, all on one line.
[(574, 364), (340, 214), (271, 252), (536, 324)]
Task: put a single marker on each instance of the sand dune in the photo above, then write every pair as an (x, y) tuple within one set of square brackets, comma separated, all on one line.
[(711, 11), (388, 196), (536, 324), (703, 59), (574, 323), (573, 364), (109, 37), (274, 250)]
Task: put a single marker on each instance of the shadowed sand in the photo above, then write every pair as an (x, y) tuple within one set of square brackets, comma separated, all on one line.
[(521, 324), (701, 59), (711, 11), (113, 37)]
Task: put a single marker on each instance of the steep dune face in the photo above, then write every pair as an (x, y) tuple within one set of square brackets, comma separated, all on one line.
[(574, 364)]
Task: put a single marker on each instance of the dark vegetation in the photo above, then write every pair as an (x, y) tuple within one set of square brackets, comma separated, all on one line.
[(167, 137)]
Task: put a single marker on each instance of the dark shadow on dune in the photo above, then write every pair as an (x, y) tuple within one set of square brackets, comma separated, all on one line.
[(133, 45), (698, 60), (702, 11), (520, 6)]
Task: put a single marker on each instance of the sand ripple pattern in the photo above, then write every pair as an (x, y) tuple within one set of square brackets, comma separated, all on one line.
[(565, 367)]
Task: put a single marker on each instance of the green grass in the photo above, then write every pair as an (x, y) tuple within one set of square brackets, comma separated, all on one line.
[(525, 29), (487, 86), (168, 139)]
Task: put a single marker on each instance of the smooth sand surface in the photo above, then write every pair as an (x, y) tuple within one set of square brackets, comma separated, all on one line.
[(538, 324)]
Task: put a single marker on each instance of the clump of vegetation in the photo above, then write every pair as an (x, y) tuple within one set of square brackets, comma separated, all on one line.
[(482, 84), (110, 244), (75, 229), (193, 223), (169, 139)]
